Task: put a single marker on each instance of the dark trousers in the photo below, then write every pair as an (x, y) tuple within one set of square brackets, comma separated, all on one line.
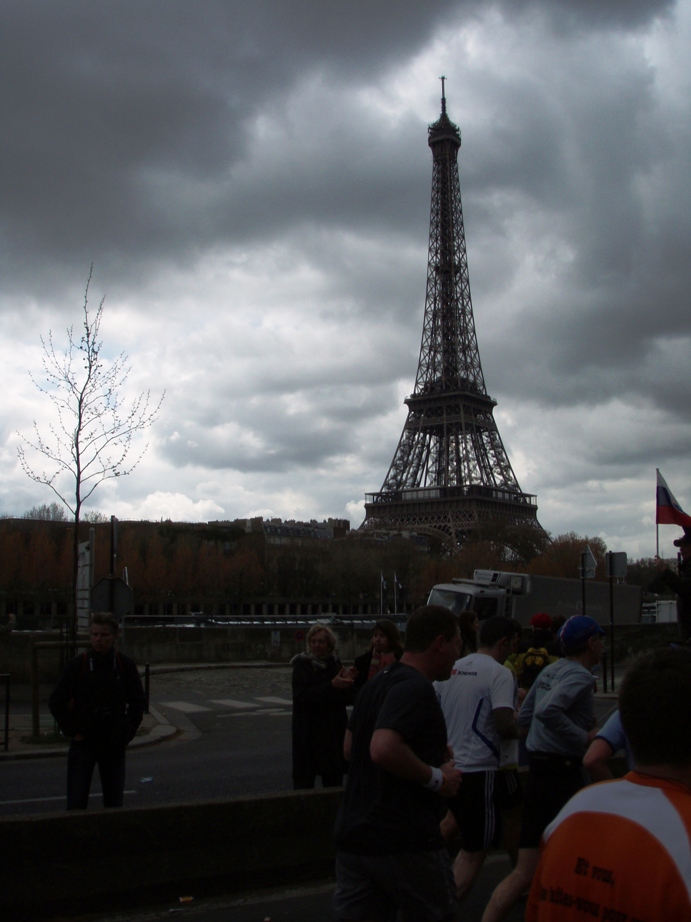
[(81, 759), (552, 781)]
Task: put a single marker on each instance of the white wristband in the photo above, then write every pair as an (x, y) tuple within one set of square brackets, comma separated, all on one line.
[(436, 782)]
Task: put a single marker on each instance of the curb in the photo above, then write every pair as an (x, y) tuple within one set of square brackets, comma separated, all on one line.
[(162, 730)]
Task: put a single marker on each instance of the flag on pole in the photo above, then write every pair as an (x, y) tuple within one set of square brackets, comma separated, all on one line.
[(383, 581), (397, 582), (667, 509)]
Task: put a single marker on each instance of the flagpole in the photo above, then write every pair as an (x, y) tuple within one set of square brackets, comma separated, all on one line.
[(657, 524)]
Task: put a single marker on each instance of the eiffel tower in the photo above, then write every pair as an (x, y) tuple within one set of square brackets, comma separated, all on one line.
[(450, 475)]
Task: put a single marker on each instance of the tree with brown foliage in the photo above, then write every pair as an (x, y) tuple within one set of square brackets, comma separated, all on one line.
[(562, 557)]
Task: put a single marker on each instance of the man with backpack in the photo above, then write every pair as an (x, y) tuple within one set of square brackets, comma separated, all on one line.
[(536, 652), (99, 702)]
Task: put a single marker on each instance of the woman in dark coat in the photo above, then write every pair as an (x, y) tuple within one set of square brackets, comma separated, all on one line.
[(384, 648), (322, 688)]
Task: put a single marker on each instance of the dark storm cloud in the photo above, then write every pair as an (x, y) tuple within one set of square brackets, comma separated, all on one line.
[(594, 14), (597, 175), (122, 122)]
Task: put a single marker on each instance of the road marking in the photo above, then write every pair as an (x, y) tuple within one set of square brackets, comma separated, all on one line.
[(41, 800), (185, 706), (270, 699), (231, 703), (265, 711)]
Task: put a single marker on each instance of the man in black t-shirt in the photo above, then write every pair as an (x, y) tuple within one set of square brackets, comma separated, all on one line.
[(390, 852)]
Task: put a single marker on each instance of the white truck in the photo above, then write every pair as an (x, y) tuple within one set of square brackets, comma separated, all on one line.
[(664, 611), (520, 596)]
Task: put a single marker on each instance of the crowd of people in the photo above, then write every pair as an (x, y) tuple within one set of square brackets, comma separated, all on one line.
[(473, 702), (432, 754)]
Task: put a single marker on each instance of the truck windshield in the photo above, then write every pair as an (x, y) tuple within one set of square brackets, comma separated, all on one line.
[(456, 601)]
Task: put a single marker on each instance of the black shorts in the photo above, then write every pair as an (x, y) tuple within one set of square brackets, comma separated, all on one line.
[(551, 782), (508, 789), (476, 811)]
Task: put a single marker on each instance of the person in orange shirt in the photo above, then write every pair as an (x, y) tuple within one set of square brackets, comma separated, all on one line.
[(621, 850)]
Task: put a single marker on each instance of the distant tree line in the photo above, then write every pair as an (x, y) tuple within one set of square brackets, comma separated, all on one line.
[(212, 563)]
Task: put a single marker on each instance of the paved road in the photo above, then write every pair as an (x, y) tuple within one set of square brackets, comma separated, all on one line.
[(234, 739)]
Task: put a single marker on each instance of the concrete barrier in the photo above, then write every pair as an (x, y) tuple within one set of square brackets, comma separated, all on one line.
[(92, 862), (96, 861)]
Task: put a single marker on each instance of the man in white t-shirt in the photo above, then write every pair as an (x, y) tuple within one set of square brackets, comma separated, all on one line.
[(478, 706)]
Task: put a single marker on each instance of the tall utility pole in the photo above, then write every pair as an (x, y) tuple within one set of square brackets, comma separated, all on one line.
[(450, 474)]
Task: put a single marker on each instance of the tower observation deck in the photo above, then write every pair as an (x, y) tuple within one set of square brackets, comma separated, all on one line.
[(450, 475)]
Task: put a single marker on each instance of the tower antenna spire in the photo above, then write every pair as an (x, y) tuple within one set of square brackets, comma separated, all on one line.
[(443, 96)]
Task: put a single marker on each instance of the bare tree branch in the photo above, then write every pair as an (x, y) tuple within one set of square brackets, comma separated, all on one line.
[(91, 437)]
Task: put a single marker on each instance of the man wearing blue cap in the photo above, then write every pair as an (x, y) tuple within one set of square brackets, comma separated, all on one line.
[(560, 711)]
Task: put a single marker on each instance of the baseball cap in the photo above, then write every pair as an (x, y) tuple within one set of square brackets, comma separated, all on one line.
[(541, 620), (579, 629)]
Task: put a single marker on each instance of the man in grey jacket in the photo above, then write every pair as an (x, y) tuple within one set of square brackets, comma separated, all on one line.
[(560, 711)]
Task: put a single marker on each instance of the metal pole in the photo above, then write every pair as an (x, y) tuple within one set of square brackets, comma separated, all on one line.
[(35, 722), (147, 684), (657, 524), (6, 677), (111, 575), (583, 589), (611, 628), (112, 545)]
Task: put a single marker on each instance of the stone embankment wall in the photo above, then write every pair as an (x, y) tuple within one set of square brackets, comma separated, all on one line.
[(244, 644), (177, 645)]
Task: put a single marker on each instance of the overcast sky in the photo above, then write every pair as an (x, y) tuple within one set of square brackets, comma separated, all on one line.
[(251, 181)]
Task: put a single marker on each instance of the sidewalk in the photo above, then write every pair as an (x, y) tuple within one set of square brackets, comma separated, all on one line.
[(154, 729)]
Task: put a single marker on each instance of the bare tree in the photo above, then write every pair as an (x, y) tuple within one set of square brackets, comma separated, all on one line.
[(48, 513), (94, 517), (91, 438)]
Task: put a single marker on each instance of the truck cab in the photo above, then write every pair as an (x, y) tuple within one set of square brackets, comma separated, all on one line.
[(489, 593)]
